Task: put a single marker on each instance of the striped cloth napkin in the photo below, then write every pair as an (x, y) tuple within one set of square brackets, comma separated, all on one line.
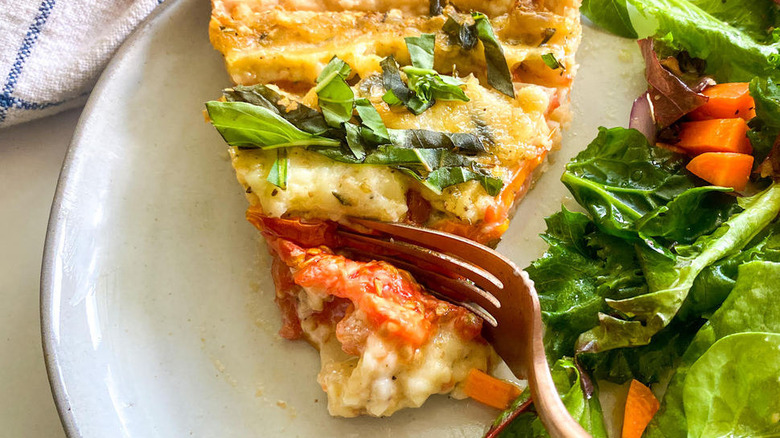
[(52, 51)]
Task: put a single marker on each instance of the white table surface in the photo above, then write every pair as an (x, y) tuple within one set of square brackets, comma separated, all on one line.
[(31, 155)]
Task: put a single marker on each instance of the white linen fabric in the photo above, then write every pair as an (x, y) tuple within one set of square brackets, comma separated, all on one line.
[(52, 51)]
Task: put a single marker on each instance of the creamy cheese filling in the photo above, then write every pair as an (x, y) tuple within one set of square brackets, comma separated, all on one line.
[(389, 375)]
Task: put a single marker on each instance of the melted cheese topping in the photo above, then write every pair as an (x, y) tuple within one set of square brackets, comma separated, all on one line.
[(288, 42)]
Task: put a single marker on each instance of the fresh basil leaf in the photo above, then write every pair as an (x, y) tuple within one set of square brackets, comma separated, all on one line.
[(425, 139), (397, 91), (335, 96), (245, 125), (390, 98), (752, 306), (431, 86), (672, 279), (733, 389), (354, 141), (497, 69), (547, 35), (421, 50), (585, 408), (337, 66), (449, 176), (369, 116), (464, 35), (550, 60), (278, 174), (303, 117)]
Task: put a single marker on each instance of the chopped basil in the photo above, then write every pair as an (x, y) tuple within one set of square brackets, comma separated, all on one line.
[(425, 139), (547, 34), (334, 95), (256, 117), (435, 7), (342, 200), (497, 69), (425, 85), (335, 65), (397, 92), (464, 35), (354, 141), (449, 176), (304, 118), (245, 125), (551, 62), (370, 118), (421, 50), (278, 174)]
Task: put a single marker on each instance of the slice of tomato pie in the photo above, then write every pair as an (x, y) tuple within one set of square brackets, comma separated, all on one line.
[(434, 114)]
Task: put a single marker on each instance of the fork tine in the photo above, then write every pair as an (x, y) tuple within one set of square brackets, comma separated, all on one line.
[(458, 246), (479, 276)]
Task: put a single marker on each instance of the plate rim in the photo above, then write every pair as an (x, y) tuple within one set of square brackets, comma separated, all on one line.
[(55, 231)]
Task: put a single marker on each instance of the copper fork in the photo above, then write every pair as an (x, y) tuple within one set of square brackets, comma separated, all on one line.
[(490, 285)]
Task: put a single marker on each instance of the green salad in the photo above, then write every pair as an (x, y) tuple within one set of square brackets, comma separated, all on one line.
[(667, 277)]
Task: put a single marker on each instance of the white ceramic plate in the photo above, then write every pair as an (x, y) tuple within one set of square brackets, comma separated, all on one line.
[(157, 309)]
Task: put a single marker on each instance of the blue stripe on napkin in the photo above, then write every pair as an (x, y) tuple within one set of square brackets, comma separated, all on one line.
[(6, 100)]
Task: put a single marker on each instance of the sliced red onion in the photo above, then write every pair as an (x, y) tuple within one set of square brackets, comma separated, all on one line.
[(642, 117)]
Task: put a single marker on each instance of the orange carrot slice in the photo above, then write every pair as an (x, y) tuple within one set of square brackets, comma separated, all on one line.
[(723, 168), (717, 135), (489, 390), (726, 101), (641, 405)]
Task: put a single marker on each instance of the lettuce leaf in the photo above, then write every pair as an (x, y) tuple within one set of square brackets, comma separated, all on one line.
[(670, 279), (751, 306), (735, 37)]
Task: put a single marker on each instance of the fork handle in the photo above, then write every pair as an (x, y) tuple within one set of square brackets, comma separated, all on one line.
[(556, 418)]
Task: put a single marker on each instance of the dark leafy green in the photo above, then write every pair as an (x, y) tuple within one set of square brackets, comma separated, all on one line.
[(625, 184), (581, 268), (426, 139), (435, 7), (498, 74), (765, 127), (670, 280), (585, 408), (611, 15), (648, 363)]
